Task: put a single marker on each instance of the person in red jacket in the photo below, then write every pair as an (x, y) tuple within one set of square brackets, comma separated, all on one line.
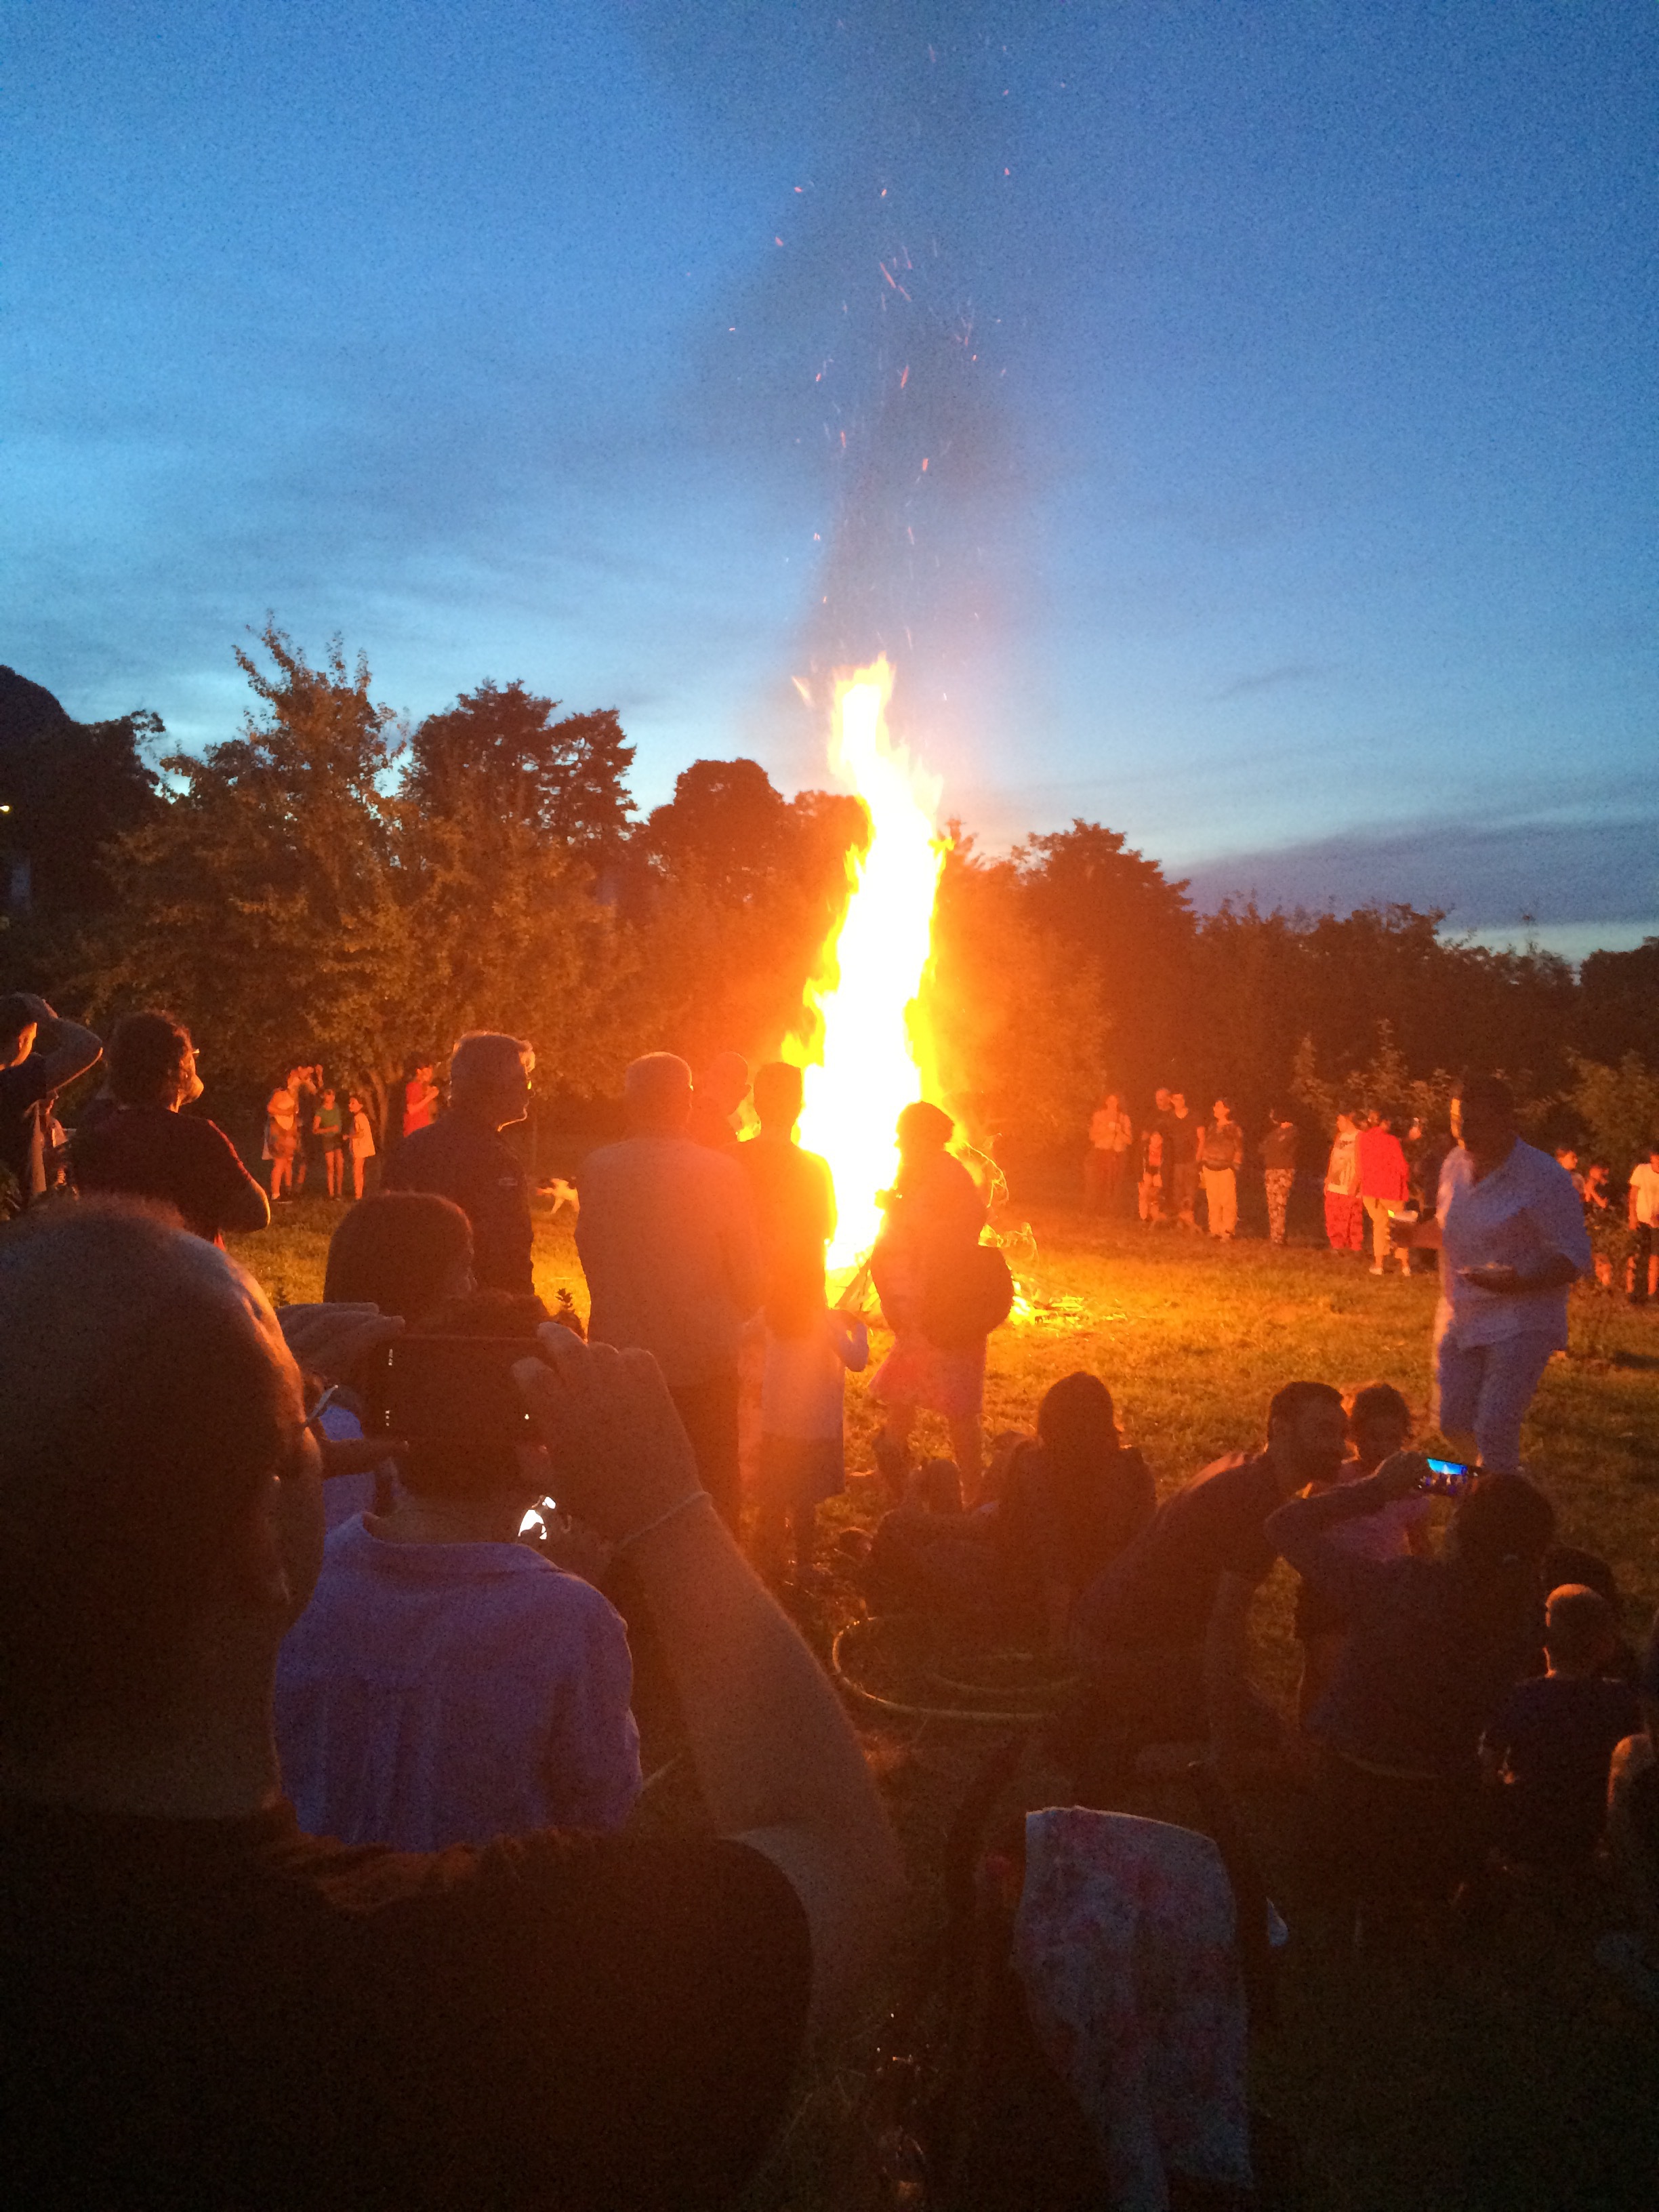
[(1384, 1181)]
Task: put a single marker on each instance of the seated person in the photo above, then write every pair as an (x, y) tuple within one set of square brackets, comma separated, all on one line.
[(1069, 1504), (133, 1138), (220, 2010), (1549, 1749), (1434, 1647), (1632, 1954), (1568, 1563), (1164, 1633), (1379, 1422), (404, 1252), (446, 1684)]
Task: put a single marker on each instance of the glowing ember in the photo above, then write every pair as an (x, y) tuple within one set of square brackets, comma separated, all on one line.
[(867, 1055)]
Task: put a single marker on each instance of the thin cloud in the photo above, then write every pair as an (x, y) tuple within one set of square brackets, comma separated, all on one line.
[(1271, 679)]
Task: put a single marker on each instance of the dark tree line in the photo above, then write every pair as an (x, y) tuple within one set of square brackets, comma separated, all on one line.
[(327, 883)]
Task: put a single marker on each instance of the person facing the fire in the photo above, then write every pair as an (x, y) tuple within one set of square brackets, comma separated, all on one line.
[(931, 1219)]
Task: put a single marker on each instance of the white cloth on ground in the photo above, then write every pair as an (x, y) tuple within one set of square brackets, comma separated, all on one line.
[(1125, 1943)]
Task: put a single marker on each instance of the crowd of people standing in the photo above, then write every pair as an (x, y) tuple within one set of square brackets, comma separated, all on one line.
[(511, 1991)]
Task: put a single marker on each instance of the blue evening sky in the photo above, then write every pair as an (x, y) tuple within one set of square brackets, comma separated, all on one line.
[(1237, 422)]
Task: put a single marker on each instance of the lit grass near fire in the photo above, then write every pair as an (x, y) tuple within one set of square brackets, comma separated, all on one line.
[(1507, 2081)]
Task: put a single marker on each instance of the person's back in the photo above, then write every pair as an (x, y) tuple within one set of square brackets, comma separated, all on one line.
[(199, 2014), (437, 1694), (1381, 1161), (794, 1207), (463, 1157), (1551, 1745), (447, 1685), (666, 1239), (141, 1146)]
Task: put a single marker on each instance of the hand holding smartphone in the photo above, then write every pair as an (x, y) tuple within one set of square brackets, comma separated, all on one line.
[(1448, 1478)]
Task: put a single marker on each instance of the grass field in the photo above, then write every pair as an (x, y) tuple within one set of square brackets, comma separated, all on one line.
[(1510, 2077)]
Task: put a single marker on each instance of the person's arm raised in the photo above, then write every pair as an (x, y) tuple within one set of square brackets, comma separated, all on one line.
[(780, 1766)]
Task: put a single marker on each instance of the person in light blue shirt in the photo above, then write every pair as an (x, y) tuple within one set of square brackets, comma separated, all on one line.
[(447, 1684)]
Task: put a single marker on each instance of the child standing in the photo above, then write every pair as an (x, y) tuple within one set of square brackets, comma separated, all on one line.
[(1550, 1748), (361, 1139), (328, 1127), (808, 1346)]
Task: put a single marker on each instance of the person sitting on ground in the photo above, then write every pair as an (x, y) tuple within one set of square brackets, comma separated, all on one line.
[(1571, 1562), (446, 1684), (1434, 1647), (1379, 1424), (716, 1096), (1549, 1750), (40, 1054), (808, 1346), (462, 1157), (143, 1145), (1163, 1634), (667, 1242), (1632, 1954), (1069, 1504), (588, 2021), (930, 1555)]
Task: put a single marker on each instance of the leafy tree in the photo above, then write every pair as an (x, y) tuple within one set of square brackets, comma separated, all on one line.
[(1383, 1083), (1619, 1108), (508, 752), (1087, 889), (262, 901), (1618, 1009), (1015, 1012)]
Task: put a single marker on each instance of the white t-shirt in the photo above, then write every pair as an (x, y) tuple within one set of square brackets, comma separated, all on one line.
[(1519, 1216), (1644, 1189), (1342, 1176), (432, 1694)]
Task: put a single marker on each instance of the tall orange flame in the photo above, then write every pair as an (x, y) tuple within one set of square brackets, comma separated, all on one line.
[(867, 1054)]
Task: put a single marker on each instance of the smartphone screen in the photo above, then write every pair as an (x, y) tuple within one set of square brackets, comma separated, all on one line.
[(1448, 1478), (457, 1392)]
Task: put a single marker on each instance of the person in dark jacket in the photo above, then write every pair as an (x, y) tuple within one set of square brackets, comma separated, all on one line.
[(134, 1139), (461, 1155)]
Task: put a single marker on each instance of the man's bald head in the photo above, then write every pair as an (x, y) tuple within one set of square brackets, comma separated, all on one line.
[(657, 1094), (147, 1397)]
